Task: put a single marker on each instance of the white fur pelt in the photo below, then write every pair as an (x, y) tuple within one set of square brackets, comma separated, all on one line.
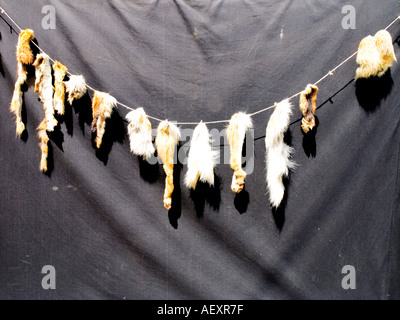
[(202, 158), (60, 71), (278, 153), (139, 131), (25, 57), (75, 87), (236, 132), (44, 86), (102, 108), (167, 138)]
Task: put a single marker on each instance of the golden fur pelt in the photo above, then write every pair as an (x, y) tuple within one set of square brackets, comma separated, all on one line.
[(102, 108), (375, 55), (278, 153), (60, 71), (308, 106), (167, 139), (236, 132), (25, 57)]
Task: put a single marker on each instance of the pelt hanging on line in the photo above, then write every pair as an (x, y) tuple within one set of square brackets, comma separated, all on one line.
[(102, 108), (375, 55), (308, 106), (167, 139), (140, 136), (278, 153), (24, 57), (75, 87), (236, 132), (60, 71), (202, 158)]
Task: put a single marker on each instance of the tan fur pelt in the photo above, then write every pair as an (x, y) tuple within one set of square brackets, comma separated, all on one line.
[(102, 108), (166, 140), (375, 55), (44, 86), (238, 125), (24, 57), (44, 147), (75, 87), (308, 106), (60, 71)]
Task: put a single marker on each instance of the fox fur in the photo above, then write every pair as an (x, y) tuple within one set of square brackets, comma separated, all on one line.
[(238, 125), (167, 138), (308, 99), (24, 57), (102, 108), (139, 131), (44, 147), (75, 87), (60, 71), (375, 55), (44, 86), (202, 158), (278, 153)]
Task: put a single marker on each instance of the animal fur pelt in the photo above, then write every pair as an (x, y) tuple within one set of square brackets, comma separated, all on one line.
[(139, 131), (102, 108), (44, 147), (167, 138), (375, 55), (25, 57), (238, 125), (60, 71), (44, 86), (202, 158), (308, 99), (278, 153), (75, 87)]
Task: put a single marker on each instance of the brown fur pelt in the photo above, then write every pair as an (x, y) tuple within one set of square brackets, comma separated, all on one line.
[(375, 55), (102, 108), (60, 71), (308, 99), (44, 86), (24, 57), (236, 132), (44, 147), (167, 138)]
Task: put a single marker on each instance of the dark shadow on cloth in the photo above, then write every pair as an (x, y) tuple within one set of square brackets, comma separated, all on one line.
[(1, 67), (279, 213), (50, 160), (83, 107), (242, 201), (57, 137), (115, 132), (10, 26), (204, 193), (148, 172), (309, 142), (176, 207), (370, 92), (24, 117)]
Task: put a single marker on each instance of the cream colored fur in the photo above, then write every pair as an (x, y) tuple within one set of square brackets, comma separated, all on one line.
[(75, 87), (60, 71)]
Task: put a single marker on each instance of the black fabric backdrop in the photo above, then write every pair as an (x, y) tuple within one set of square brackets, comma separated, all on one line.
[(98, 217)]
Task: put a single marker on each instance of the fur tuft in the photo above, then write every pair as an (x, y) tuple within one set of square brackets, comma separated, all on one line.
[(16, 102), (102, 108), (24, 52), (60, 71), (308, 99), (44, 147), (202, 158), (139, 131), (278, 153), (75, 87), (167, 138), (238, 125), (383, 41)]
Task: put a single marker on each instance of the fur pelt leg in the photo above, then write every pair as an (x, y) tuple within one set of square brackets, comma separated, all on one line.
[(308, 106), (44, 147), (24, 57), (139, 131), (238, 125), (167, 138), (44, 86), (202, 158), (75, 87), (60, 71), (278, 153), (102, 108)]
